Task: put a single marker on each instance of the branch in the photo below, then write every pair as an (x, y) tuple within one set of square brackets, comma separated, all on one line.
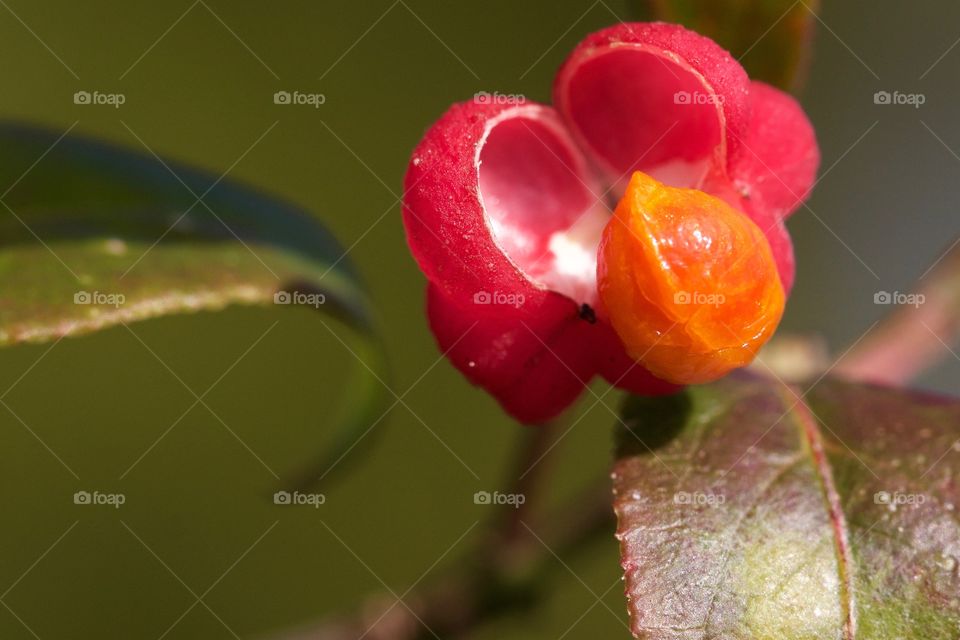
[(529, 470), (912, 338), (501, 577)]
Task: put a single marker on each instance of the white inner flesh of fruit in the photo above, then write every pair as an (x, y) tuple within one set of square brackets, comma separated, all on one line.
[(544, 209)]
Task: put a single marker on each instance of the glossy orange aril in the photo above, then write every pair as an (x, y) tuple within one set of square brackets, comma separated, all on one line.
[(689, 283)]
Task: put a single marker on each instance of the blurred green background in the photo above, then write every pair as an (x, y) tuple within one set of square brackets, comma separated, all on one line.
[(199, 79)]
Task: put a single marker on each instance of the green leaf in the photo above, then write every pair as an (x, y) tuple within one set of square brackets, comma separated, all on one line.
[(749, 510), (93, 236), (771, 38)]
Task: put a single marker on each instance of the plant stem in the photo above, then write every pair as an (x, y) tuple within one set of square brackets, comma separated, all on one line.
[(500, 577), (914, 337), (529, 469), (475, 591)]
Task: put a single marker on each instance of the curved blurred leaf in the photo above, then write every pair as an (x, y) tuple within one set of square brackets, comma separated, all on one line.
[(93, 235), (745, 512), (771, 38)]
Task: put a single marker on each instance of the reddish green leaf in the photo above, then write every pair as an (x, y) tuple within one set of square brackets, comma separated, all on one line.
[(745, 512)]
